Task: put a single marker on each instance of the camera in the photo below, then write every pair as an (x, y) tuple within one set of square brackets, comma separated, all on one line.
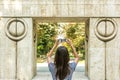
[(62, 40)]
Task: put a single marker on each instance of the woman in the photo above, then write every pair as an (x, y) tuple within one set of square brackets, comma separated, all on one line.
[(61, 69)]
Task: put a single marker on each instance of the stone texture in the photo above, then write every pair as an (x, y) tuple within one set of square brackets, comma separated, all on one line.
[(96, 54), (103, 57), (86, 46), (25, 54), (60, 8), (113, 56), (17, 58), (7, 53)]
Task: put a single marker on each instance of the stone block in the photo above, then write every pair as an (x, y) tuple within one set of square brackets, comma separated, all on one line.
[(94, 10), (25, 53), (7, 53), (113, 56), (96, 54)]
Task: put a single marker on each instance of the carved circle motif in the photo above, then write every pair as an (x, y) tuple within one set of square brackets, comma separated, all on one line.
[(102, 31), (15, 32)]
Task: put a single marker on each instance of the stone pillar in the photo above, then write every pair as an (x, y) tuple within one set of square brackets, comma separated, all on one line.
[(113, 51), (7, 53), (86, 46), (103, 50), (25, 52), (17, 60)]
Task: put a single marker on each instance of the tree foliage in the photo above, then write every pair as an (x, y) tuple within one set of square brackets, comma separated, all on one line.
[(76, 32), (48, 31)]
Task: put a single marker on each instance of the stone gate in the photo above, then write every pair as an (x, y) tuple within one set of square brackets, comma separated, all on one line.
[(18, 37)]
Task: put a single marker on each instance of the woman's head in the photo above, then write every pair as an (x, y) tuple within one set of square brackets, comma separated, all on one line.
[(61, 56), (61, 62)]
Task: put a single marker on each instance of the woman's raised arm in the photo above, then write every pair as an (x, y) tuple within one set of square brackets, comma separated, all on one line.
[(49, 54), (74, 51)]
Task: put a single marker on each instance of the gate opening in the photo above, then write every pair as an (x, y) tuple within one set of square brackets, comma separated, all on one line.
[(47, 32)]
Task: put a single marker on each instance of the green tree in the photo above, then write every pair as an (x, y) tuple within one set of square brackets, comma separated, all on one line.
[(76, 32), (46, 33)]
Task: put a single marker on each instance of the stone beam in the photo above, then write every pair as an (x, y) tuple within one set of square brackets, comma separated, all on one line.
[(60, 8)]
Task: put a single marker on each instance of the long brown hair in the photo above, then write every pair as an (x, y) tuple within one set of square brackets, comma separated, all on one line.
[(61, 62)]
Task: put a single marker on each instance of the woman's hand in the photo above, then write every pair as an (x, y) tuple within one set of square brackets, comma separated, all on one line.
[(74, 50), (69, 42), (49, 54)]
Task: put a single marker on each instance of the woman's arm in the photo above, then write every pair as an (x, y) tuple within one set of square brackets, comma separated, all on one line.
[(74, 51), (49, 54)]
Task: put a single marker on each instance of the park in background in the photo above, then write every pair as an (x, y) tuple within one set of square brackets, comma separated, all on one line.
[(48, 32)]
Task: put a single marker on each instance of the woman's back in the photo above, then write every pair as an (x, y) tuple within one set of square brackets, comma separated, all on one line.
[(61, 69), (52, 69)]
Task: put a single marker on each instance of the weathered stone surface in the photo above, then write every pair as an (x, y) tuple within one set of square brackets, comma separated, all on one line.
[(60, 8), (17, 57), (113, 56), (103, 56), (7, 53), (86, 46), (96, 54), (25, 54)]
